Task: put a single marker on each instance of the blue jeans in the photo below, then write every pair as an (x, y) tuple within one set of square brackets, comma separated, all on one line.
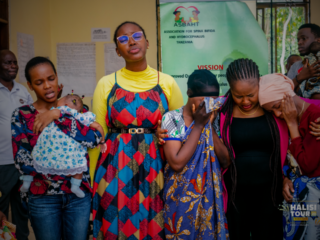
[(60, 216)]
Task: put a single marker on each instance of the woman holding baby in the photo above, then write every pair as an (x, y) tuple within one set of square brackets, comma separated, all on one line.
[(54, 210)]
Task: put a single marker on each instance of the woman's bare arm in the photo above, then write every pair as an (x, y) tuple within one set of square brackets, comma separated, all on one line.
[(179, 155)]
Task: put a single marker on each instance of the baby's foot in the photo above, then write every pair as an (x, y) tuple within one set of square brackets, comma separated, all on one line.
[(25, 186), (75, 187), (27, 179), (77, 191)]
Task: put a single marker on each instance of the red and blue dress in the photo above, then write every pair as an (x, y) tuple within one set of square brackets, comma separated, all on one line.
[(128, 183)]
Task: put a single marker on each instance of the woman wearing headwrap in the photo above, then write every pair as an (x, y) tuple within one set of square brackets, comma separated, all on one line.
[(276, 95)]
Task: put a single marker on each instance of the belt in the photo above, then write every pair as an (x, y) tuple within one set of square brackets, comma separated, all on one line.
[(131, 130)]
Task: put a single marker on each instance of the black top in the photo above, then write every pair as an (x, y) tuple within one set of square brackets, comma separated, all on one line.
[(252, 144)]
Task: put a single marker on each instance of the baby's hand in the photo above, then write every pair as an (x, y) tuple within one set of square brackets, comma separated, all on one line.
[(44, 119)]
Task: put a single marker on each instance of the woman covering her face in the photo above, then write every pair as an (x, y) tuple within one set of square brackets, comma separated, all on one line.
[(128, 184), (195, 155), (276, 95)]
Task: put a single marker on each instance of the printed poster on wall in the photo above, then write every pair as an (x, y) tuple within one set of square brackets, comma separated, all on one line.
[(25, 53), (112, 62), (76, 65), (209, 35), (100, 35)]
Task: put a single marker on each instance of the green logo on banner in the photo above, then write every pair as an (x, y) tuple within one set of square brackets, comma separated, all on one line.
[(209, 35), (181, 21)]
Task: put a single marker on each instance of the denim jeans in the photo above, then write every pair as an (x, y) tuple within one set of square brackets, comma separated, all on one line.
[(59, 216)]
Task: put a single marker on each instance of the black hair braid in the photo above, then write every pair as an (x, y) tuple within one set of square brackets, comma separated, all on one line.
[(227, 110), (275, 159), (242, 70)]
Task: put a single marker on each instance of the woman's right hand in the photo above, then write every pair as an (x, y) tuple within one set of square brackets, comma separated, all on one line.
[(44, 119), (161, 133), (287, 189), (200, 116), (289, 110)]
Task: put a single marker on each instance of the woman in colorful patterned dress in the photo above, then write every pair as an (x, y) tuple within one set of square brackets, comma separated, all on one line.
[(55, 212), (195, 156), (128, 183)]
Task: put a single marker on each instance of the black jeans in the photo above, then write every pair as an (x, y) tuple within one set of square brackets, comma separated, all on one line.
[(9, 187)]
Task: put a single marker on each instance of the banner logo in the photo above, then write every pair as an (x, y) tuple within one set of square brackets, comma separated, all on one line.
[(181, 21)]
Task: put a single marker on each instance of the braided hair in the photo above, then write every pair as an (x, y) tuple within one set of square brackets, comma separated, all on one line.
[(242, 70)]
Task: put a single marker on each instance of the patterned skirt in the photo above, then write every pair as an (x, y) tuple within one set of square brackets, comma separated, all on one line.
[(128, 188)]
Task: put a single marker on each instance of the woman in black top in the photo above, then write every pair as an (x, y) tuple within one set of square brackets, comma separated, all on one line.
[(254, 178)]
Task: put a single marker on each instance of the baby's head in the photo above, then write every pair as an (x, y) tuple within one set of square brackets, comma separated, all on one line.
[(314, 47), (73, 101)]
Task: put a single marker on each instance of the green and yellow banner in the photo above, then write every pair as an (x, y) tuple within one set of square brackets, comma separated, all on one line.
[(209, 35)]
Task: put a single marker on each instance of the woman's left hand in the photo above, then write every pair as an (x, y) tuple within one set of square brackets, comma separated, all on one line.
[(161, 133), (315, 128), (44, 119), (287, 189), (289, 110)]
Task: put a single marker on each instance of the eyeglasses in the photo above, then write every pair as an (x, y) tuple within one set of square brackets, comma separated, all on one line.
[(124, 39)]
